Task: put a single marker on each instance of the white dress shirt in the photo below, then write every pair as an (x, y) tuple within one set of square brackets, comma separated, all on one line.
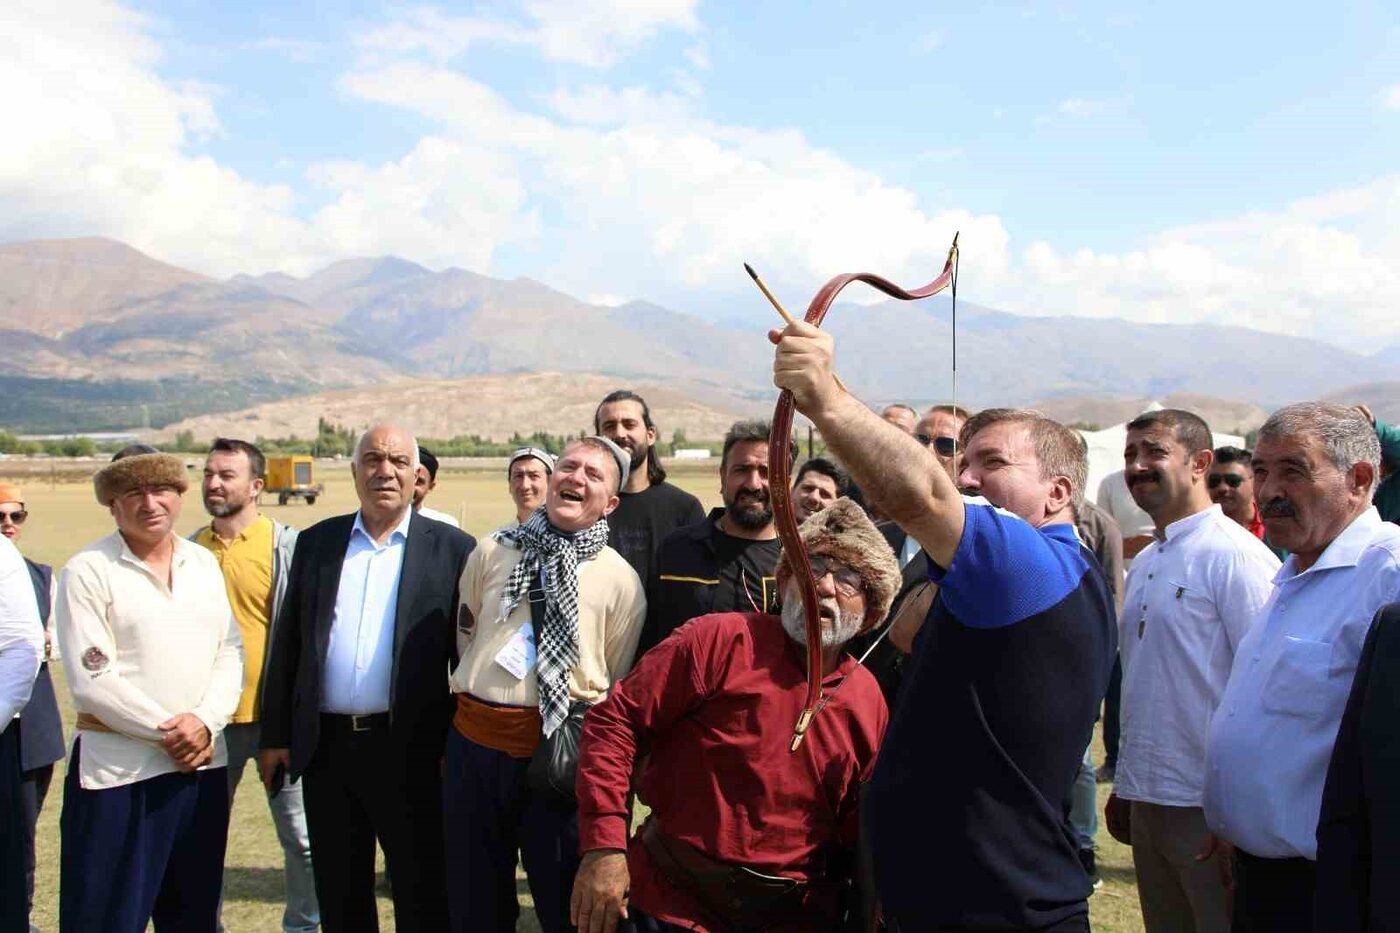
[(1272, 736), (360, 656), (21, 636), (1191, 598), (138, 651), (437, 516)]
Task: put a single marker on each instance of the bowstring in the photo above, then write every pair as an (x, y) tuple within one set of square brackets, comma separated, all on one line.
[(957, 257)]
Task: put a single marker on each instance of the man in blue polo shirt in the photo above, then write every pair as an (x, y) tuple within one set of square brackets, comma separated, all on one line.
[(970, 796)]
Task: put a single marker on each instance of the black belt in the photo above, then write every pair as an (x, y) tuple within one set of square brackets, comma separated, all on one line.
[(356, 722)]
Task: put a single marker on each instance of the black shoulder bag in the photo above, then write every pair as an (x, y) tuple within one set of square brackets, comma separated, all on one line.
[(554, 765)]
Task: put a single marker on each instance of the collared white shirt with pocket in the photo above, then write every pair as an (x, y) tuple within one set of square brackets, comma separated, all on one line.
[(1272, 735), (1191, 598)]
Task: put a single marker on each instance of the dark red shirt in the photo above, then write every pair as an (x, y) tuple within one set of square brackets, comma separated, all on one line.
[(713, 706)]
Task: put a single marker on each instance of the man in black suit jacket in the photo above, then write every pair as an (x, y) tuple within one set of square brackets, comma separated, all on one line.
[(355, 698), (40, 727), (1358, 833)]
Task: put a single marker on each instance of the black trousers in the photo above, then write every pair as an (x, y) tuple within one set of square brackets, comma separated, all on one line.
[(1079, 923), (1112, 700), (33, 791), (361, 787), (1273, 895), (14, 906), (490, 813)]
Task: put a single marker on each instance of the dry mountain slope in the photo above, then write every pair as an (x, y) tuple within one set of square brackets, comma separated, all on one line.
[(48, 287), (493, 407), (186, 344)]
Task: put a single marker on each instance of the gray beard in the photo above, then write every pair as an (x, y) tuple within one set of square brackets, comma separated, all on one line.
[(795, 624)]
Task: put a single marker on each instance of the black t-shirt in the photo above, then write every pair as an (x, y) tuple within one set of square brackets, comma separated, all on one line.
[(700, 569), (746, 574), (644, 519)]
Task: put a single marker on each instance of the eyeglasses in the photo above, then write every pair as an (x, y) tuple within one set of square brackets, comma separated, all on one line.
[(942, 445), (848, 582), (1233, 480), (14, 518)]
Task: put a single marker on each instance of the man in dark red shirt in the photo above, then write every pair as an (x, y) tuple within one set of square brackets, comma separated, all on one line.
[(744, 834)]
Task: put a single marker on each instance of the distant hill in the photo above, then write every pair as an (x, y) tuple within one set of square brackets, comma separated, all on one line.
[(1227, 417), (102, 336), (493, 407), (1383, 398), (48, 287)]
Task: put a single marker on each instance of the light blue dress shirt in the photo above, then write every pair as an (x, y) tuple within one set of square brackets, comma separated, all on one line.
[(1272, 735), (360, 656)]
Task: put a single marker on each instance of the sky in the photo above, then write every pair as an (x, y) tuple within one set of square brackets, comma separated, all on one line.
[(1234, 163)]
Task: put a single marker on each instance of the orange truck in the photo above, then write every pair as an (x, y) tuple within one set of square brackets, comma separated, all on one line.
[(291, 478)]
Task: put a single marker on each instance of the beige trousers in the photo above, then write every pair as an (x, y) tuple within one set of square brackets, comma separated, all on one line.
[(1178, 893)]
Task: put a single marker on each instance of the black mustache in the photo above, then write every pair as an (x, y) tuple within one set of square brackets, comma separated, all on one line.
[(1277, 508), (760, 495), (1136, 478)]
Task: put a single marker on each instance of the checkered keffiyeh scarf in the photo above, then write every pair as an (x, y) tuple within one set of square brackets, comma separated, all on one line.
[(554, 556)]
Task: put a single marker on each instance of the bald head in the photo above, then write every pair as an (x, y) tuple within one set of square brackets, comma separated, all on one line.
[(384, 467)]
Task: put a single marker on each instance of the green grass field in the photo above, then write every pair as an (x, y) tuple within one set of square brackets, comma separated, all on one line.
[(64, 517)]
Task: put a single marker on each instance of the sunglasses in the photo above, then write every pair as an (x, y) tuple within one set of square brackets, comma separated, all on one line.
[(848, 581), (942, 445), (1233, 480), (14, 518)]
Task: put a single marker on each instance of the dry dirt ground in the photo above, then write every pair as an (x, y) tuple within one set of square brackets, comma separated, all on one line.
[(64, 517)]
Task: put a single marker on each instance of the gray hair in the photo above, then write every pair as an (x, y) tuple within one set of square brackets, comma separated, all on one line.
[(1347, 438), (615, 453), (364, 436)]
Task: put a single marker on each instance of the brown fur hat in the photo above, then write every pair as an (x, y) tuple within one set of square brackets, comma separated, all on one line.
[(137, 472), (843, 532)]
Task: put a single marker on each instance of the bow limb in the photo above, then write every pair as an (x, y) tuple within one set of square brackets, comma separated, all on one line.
[(780, 477)]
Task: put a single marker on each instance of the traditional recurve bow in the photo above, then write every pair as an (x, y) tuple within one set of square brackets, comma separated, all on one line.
[(780, 470)]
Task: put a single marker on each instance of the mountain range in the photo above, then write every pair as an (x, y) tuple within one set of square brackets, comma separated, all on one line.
[(103, 336)]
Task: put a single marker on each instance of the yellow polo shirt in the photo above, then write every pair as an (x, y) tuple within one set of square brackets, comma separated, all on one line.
[(246, 562)]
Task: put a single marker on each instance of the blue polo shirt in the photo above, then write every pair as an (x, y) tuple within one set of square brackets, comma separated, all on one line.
[(970, 799)]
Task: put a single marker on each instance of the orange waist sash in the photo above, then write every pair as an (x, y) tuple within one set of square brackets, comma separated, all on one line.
[(514, 730)]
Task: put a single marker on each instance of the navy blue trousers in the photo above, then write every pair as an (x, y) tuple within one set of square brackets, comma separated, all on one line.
[(14, 905), (153, 850), (490, 814), (638, 922)]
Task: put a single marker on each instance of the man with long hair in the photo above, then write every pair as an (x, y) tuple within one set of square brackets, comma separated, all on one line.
[(649, 508)]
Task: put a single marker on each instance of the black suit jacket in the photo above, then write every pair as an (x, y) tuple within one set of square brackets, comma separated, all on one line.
[(420, 704), (41, 727), (1358, 832)]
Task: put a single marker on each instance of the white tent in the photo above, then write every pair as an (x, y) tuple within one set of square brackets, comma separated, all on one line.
[(1106, 450)]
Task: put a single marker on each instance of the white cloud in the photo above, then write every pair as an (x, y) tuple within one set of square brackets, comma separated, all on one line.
[(930, 41), (1326, 267), (1072, 108), (699, 56), (1390, 97), (97, 143), (300, 51), (657, 195), (616, 191), (596, 33)]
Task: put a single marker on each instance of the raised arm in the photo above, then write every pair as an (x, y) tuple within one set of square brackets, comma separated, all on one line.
[(889, 465)]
